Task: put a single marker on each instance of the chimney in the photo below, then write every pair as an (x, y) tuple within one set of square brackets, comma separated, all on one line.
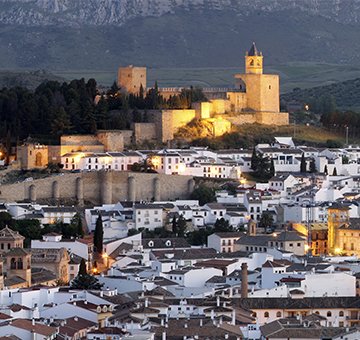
[(33, 322), (146, 303), (164, 336), (218, 301), (101, 294), (244, 280), (233, 317), (162, 322), (201, 322)]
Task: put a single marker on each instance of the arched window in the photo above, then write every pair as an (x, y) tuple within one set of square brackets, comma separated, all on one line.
[(13, 263), (278, 314), (254, 314), (20, 263), (341, 313), (328, 313), (266, 314)]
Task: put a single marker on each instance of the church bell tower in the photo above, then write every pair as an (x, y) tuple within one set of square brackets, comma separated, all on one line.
[(253, 61)]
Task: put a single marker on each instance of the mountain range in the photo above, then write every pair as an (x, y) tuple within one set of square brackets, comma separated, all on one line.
[(103, 34)]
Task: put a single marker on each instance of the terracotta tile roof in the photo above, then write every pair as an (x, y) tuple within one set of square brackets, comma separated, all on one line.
[(37, 328)]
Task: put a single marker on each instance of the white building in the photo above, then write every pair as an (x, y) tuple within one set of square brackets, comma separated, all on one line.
[(148, 216)]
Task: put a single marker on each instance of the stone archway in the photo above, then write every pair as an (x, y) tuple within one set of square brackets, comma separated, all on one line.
[(38, 159)]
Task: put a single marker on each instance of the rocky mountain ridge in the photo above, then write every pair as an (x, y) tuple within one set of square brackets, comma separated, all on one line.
[(118, 12)]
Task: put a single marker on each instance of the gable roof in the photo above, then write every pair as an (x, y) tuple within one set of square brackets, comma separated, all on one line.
[(37, 328)]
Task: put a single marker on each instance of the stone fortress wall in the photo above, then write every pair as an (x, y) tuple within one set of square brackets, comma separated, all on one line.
[(101, 187)]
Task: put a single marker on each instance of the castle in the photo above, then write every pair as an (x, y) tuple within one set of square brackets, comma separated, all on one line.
[(253, 99)]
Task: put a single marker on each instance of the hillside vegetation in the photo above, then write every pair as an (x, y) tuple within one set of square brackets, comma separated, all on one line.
[(346, 94), (247, 135)]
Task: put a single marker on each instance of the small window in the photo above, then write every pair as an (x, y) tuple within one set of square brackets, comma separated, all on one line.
[(328, 313), (266, 314), (341, 313), (278, 314)]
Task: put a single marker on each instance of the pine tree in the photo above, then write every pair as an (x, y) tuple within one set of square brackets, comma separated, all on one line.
[(303, 164), (82, 268), (266, 220), (180, 226), (334, 172), (86, 282), (98, 235)]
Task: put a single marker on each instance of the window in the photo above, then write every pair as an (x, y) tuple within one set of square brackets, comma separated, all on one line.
[(328, 313), (299, 244), (290, 244), (341, 313), (278, 314), (266, 314)]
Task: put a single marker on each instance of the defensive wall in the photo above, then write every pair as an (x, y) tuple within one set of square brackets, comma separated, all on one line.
[(101, 187)]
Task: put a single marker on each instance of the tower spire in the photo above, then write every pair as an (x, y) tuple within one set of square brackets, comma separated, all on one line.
[(253, 51), (253, 60)]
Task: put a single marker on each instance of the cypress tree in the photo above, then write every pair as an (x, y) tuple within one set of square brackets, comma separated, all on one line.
[(272, 169), (303, 164), (174, 225), (334, 172), (254, 160), (325, 170), (79, 227), (82, 268), (98, 235), (312, 166)]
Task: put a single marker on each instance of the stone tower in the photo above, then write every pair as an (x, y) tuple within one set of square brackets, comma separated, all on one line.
[(253, 61), (259, 92), (18, 264), (131, 79)]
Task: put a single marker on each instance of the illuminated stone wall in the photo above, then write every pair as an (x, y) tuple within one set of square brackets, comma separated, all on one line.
[(272, 118), (113, 140), (100, 187)]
